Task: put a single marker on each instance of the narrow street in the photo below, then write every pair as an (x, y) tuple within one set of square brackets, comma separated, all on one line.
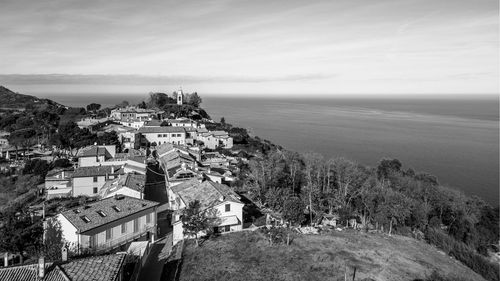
[(153, 268), (155, 190)]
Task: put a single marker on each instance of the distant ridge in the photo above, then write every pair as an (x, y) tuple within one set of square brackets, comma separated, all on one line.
[(12, 100)]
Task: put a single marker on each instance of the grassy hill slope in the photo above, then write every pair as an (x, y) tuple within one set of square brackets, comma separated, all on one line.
[(248, 256)]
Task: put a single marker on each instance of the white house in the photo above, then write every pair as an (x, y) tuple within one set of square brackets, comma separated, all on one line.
[(89, 180), (127, 184), (160, 135), (211, 195), (109, 223), (58, 183), (95, 155), (215, 139), (132, 113), (133, 123)]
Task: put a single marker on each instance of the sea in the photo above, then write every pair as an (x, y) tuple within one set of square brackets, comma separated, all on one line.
[(455, 139)]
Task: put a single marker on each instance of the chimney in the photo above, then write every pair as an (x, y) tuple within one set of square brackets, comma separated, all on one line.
[(112, 169), (64, 254), (62, 174), (41, 267)]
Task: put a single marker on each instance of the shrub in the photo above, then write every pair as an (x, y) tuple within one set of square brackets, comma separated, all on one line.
[(278, 235), (463, 253), (435, 276)]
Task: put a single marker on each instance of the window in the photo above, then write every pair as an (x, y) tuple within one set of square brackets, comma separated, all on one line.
[(124, 228), (165, 135), (95, 190), (85, 219), (148, 218), (227, 228), (228, 207), (159, 135), (95, 178), (108, 234), (136, 225), (101, 213), (116, 208)]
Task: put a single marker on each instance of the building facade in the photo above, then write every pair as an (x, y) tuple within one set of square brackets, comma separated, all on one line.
[(109, 223)]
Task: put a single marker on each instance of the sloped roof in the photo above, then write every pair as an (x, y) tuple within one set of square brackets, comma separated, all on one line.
[(168, 129), (96, 171), (133, 181), (20, 273), (97, 268), (207, 192), (164, 148), (153, 123), (125, 204), (92, 151)]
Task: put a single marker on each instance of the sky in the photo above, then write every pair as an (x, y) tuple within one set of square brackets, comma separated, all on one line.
[(257, 47)]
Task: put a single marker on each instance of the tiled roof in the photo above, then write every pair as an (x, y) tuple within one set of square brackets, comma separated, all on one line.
[(132, 181), (96, 171), (56, 174), (164, 148), (98, 268), (179, 120), (114, 208), (168, 129), (173, 160), (207, 192), (20, 273), (218, 133), (153, 123), (94, 151)]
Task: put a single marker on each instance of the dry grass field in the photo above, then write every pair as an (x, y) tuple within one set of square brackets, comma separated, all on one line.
[(248, 256)]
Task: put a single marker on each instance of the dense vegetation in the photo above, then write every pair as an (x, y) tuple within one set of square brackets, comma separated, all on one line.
[(387, 197), (168, 104)]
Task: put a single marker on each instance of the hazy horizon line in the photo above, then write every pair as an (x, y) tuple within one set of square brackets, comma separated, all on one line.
[(236, 86)]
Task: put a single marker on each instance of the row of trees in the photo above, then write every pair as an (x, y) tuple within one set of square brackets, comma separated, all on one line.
[(388, 197)]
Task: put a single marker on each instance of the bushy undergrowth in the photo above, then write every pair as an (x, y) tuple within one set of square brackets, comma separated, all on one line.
[(463, 253), (435, 276)]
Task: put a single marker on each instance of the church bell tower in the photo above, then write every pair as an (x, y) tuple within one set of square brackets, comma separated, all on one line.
[(179, 97)]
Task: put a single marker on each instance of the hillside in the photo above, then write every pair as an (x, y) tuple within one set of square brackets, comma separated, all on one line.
[(248, 256), (12, 100)]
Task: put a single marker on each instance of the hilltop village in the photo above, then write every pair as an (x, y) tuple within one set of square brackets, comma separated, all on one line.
[(112, 200), (161, 191)]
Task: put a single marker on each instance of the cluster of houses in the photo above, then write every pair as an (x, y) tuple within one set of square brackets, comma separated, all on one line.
[(120, 214), (138, 127), (190, 174), (117, 215)]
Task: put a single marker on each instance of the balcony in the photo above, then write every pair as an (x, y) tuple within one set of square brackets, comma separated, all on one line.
[(124, 239)]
